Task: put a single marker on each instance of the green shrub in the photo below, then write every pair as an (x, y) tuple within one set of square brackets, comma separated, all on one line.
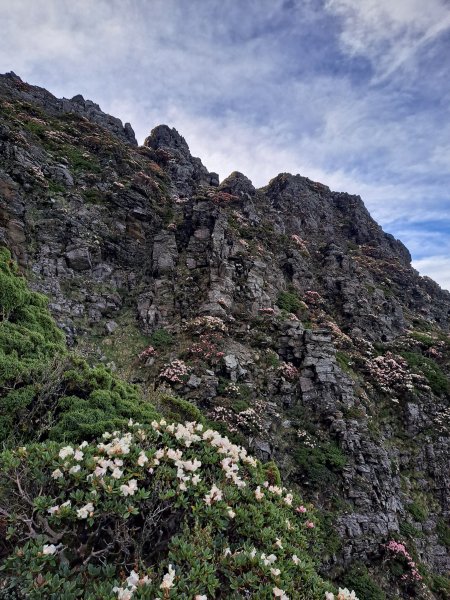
[(409, 531), (440, 585), (81, 161), (81, 519), (319, 465), (178, 409), (161, 338), (36, 128), (288, 301), (332, 540), (423, 338), (45, 390), (437, 379), (239, 405), (361, 581), (418, 510), (54, 187), (94, 196), (443, 531)]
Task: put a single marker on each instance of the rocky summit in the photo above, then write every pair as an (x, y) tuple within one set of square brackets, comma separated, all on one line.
[(284, 316)]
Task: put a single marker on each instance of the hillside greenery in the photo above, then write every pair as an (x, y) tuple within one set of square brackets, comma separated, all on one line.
[(45, 391), (121, 514)]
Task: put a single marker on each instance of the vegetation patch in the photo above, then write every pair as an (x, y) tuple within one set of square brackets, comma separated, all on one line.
[(49, 392), (320, 464), (159, 511), (418, 510), (161, 338), (359, 579), (289, 301), (437, 379)]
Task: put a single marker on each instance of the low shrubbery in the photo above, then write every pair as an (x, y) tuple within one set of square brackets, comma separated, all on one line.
[(319, 464), (160, 511), (289, 301), (437, 379), (45, 392), (359, 579)]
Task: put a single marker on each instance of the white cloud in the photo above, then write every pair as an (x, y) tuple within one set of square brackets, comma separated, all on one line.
[(436, 267), (389, 33)]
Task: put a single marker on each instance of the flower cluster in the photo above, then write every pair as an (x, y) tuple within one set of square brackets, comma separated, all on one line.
[(232, 389), (149, 352), (300, 243), (168, 579), (248, 420), (313, 298), (343, 594), (398, 550), (222, 197), (132, 582), (208, 348), (153, 473), (391, 373), (442, 420), (206, 323), (175, 372), (306, 438), (266, 311), (340, 337), (288, 371)]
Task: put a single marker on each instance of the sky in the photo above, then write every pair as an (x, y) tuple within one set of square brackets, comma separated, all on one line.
[(352, 93)]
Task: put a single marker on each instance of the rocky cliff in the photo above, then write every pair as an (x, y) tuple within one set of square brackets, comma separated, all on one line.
[(284, 313)]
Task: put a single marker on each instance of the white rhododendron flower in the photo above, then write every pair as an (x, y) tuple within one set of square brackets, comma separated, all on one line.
[(85, 511), (268, 560), (345, 594), (288, 499), (279, 594), (117, 473), (295, 559), (123, 593), (49, 549), (74, 469), (258, 494), (168, 579), (130, 488), (78, 455), (142, 458), (57, 474), (65, 452), (214, 495)]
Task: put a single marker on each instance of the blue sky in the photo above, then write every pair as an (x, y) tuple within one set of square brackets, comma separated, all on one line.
[(352, 93)]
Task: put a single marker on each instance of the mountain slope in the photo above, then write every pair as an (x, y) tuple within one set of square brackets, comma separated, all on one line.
[(285, 314)]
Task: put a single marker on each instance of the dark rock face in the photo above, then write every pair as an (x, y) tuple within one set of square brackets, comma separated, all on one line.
[(185, 171), (323, 339)]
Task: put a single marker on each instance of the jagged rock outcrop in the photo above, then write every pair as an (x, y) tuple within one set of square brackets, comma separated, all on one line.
[(323, 338)]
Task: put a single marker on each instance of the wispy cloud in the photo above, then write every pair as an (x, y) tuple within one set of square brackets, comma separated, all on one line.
[(353, 93), (437, 267), (389, 33)]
